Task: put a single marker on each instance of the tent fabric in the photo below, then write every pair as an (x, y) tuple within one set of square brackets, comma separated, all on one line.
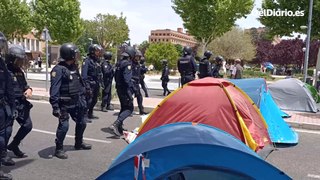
[(215, 102), (313, 92), (279, 130), (291, 94), (189, 149)]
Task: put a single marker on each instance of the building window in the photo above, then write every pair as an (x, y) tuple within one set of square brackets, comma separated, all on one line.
[(156, 34), (167, 40), (152, 34)]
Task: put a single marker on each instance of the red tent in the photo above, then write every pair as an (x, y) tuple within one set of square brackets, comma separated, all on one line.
[(215, 102)]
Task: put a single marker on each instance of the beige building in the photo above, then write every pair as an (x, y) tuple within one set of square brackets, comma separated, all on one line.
[(174, 37), (31, 44)]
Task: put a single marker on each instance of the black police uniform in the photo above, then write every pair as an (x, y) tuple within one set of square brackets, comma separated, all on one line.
[(204, 68), (91, 76), (136, 85), (124, 86), (23, 107), (66, 97), (187, 68), (108, 74), (165, 79), (216, 67), (143, 70), (7, 108)]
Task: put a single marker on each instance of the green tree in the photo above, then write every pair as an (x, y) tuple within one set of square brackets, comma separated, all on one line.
[(285, 25), (110, 30), (144, 46), (84, 40), (179, 48), (234, 44), (15, 18), (61, 17), (158, 51), (206, 20)]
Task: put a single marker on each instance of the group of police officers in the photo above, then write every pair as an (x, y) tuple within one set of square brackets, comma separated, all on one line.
[(75, 95), (14, 92)]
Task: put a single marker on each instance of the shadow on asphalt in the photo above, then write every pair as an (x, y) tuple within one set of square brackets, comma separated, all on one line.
[(283, 145), (48, 153), (19, 164)]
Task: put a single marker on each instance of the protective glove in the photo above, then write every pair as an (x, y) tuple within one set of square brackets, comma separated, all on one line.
[(56, 112)]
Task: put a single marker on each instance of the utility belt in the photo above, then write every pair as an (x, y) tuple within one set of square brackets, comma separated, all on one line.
[(69, 100)]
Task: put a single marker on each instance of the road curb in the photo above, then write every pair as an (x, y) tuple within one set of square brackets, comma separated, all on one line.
[(307, 126)]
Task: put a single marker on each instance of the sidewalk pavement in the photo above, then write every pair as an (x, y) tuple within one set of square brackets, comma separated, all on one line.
[(302, 120)]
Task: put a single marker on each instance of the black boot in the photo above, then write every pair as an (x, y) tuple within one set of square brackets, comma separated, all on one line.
[(87, 119), (141, 111), (103, 109), (84, 146), (6, 160), (59, 153), (110, 107), (5, 176), (116, 128), (91, 116), (14, 147)]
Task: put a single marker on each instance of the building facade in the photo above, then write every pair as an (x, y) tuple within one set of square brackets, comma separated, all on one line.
[(33, 47), (171, 36)]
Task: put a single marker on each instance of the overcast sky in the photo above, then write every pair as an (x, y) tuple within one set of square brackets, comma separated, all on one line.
[(146, 15)]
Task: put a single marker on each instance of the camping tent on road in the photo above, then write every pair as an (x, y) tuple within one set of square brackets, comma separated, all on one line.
[(215, 102), (278, 129), (292, 94), (189, 151)]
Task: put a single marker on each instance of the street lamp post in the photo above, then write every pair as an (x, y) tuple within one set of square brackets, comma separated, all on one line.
[(306, 59), (45, 36)]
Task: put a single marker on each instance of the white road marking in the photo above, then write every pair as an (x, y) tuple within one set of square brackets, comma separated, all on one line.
[(307, 131), (70, 136), (315, 176)]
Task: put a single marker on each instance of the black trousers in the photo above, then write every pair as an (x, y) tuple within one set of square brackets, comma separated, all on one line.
[(106, 95), (126, 104)]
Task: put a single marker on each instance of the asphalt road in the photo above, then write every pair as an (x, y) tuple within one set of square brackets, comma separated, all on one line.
[(155, 93), (299, 162)]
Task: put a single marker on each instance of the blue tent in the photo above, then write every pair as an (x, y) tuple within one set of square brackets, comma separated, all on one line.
[(278, 129), (190, 151)]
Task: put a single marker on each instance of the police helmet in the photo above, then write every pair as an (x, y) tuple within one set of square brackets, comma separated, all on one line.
[(207, 54), (69, 51), (187, 50), (130, 51), (138, 53), (3, 44), (93, 48), (107, 55), (219, 59), (16, 55)]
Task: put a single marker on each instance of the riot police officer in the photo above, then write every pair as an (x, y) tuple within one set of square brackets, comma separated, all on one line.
[(108, 73), (7, 107), (204, 65), (165, 77), (136, 73), (216, 67), (143, 70), (187, 66), (16, 60), (125, 89), (66, 98), (91, 76)]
